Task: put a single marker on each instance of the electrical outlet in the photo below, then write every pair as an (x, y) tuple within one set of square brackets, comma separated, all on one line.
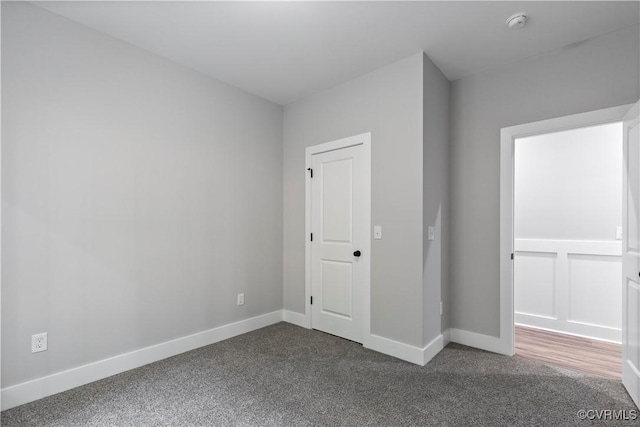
[(240, 299), (38, 342), (619, 233)]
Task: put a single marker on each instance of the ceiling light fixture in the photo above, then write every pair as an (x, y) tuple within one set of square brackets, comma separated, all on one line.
[(517, 20)]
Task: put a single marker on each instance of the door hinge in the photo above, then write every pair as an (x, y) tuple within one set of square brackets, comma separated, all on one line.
[(311, 300), (312, 237), (310, 172), (512, 255)]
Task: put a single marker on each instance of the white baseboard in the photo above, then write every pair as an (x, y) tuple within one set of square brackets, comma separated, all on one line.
[(409, 353), (446, 337), (380, 344), (61, 381), (433, 348), (294, 318), (483, 342), (615, 337), (567, 327), (417, 355)]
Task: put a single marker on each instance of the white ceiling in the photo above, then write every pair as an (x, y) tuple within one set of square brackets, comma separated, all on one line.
[(283, 51)]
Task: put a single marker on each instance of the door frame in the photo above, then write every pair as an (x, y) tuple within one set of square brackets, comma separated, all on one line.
[(508, 135), (363, 139)]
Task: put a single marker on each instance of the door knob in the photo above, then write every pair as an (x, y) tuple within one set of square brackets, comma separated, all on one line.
[(357, 253)]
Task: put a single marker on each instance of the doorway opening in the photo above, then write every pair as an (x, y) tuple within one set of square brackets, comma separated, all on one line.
[(568, 248)]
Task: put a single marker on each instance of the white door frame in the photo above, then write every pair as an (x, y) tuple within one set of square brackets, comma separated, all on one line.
[(0, 228), (364, 140), (508, 136), (630, 375)]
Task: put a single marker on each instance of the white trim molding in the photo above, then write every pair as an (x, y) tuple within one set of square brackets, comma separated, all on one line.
[(432, 349), (567, 333), (508, 136), (406, 352), (61, 381), (481, 341), (294, 318), (58, 382), (446, 337)]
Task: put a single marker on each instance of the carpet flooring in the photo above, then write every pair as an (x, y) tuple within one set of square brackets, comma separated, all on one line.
[(283, 375)]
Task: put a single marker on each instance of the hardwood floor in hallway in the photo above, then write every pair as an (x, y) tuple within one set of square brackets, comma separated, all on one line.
[(567, 351)]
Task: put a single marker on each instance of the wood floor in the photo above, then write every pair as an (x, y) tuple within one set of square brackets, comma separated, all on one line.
[(570, 352)]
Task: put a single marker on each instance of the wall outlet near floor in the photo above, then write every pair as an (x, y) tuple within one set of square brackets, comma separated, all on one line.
[(618, 233), (240, 299), (38, 342), (431, 233)]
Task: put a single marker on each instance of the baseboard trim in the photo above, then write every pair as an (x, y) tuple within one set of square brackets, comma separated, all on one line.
[(61, 381), (446, 337), (407, 352), (578, 329), (483, 342), (432, 349), (574, 334), (294, 318)]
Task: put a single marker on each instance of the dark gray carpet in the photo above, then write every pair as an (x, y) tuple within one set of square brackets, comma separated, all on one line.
[(284, 375)]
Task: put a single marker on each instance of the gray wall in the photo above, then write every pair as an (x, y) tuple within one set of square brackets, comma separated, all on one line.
[(435, 204), (591, 75), (134, 192), (387, 103)]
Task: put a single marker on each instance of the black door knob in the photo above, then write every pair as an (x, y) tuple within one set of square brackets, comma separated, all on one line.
[(357, 253)]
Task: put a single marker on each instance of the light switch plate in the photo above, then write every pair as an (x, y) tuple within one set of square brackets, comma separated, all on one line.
[(431, 233), (377, 232), (618, 233)]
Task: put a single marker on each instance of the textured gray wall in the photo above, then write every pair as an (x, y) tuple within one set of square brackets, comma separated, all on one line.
[(436, 89), (387, 103), (138, 197), (595, 74)]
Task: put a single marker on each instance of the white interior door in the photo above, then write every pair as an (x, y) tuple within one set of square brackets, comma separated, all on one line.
[(631, 256), (339, 229)]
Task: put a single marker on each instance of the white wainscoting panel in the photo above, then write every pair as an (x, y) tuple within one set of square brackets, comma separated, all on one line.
[(536, 284), (569, 286), (595, 290)]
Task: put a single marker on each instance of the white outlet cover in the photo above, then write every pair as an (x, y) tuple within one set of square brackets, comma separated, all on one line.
[(39, 342), (241, 299), (377, 232), (431, 233), (619, 233)]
